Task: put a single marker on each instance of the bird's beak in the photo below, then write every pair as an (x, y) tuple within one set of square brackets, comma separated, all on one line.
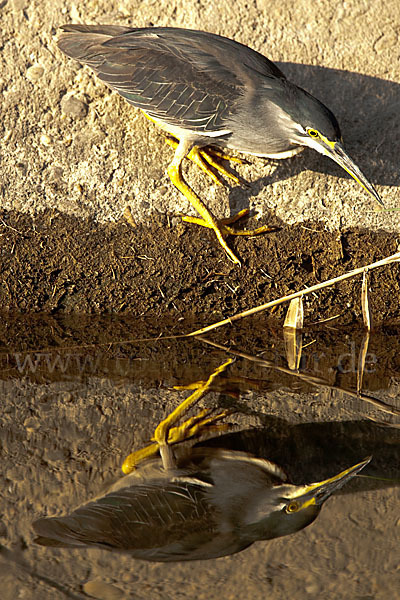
[(336, 152), (317, 493)]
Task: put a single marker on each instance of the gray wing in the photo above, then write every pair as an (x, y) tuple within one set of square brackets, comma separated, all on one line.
[(155, 522), (185, 78)]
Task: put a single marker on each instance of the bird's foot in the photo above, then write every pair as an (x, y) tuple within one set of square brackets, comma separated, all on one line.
[(175, 175), (203, 422), (223, 224), (221, 228), (192, 427)]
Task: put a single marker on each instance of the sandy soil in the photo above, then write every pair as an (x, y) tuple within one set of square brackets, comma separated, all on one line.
[(97, 157)]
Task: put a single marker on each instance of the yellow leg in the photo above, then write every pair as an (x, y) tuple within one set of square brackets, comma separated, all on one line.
[(221, 155), (221, 228), (223, 224), (165, 434), (174, 172), (209, 151), (206, 157)]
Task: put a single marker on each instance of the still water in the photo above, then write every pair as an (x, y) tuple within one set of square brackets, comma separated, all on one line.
[(79, 395)]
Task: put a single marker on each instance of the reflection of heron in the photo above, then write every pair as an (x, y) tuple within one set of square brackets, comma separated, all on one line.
[(208, 503)]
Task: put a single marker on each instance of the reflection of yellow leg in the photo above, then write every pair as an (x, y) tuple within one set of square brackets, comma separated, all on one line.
[(165, 434), (188, 429), (161, 432)]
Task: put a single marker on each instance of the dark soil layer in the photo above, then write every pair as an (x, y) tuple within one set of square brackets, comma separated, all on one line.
[(59, 263)]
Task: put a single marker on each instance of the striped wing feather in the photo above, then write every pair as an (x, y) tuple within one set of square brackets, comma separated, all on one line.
[(148, 521), (189, 79)]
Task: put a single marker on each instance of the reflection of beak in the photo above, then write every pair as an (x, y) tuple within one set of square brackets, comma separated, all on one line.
[(317, 493), (337, 153)]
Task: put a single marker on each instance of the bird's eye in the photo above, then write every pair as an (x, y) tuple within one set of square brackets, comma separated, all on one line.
[(313, 133), (292, 507)]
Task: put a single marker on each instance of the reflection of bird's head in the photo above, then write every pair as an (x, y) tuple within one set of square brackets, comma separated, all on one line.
[(287, 508)]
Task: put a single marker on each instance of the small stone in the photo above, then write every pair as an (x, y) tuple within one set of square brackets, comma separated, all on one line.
[(73, 107), (262, 4), (31, 424), (54, 456), (388, 40), (34, 73), (14, 474), (75, 16), (102, 591), (312, 589), (22, 167), (18, 4), (55, 173), (3, 529), (128, 216), (124, 10), (45, 140)]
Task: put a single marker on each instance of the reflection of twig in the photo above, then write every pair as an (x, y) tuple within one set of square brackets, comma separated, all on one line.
[(319, 286), (391, 425), (293, 347), (361, 361), (12, 557), (311, 379)]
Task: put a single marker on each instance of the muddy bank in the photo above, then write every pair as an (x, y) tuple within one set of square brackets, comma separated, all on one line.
[(61, 264)]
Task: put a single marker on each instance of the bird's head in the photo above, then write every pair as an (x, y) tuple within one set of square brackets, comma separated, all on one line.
[(315, 126), (287, 508)]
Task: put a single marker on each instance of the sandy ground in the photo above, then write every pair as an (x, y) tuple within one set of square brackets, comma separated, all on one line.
[(97, 156), (75, 157)]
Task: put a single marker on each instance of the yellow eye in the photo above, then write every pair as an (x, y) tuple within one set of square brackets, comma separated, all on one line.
[(292, 507), (313, 133)]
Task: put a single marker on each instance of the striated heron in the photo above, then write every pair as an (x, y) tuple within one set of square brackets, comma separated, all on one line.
[(204, 89)]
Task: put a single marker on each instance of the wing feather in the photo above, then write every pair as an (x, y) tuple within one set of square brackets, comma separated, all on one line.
[(140, 519), (184, 78)]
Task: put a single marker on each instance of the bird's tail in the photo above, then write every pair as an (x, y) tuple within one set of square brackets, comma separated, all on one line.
[(81, 41), (58, 532)]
